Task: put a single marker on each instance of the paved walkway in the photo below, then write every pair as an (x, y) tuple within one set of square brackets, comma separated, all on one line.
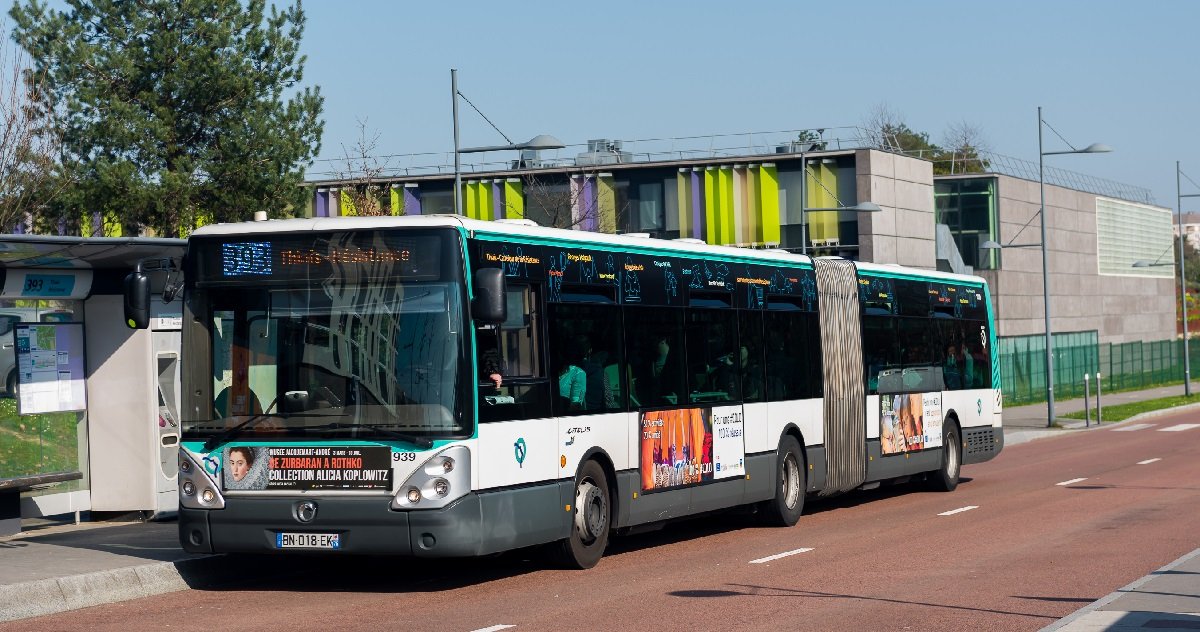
[(58, 567)]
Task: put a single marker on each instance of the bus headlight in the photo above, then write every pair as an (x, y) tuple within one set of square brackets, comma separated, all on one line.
[(193, 478), (439, 481)]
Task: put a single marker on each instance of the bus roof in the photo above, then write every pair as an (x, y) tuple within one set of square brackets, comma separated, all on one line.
[(527, 230)]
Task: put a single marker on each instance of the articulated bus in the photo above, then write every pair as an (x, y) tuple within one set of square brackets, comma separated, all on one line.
[(439, 386)]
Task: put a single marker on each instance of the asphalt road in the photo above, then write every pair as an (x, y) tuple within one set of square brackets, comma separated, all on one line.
[(1045, 529)]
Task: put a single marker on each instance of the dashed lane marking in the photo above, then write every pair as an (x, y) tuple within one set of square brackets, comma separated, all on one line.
[(763, 560), (959, 510), (1179, 427), (1133, 427), (495, 628), (1148, 461), (1071, 482)]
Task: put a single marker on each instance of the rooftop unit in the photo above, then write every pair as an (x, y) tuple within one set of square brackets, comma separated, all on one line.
[(602, 151)]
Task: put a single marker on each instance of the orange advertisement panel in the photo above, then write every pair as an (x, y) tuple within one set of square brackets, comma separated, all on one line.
[(676, 448)]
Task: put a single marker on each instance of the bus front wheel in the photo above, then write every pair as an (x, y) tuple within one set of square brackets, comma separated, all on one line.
[(946, 478), (592, 519), (791, 479)]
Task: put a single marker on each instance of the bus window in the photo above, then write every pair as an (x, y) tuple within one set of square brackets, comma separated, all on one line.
[(750, 355), (711, 358), (921, 372), (793, 353), (512, 351), (655, 349), (585, 358), (881, 351)]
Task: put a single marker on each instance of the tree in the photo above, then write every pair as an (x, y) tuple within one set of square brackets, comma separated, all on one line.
[(362, 180), (29, 144), (557, 204), (886, 129), (964, 142), (175, 112)]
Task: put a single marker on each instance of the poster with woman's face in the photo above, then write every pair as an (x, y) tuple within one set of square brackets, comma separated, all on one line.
[(245, 467)]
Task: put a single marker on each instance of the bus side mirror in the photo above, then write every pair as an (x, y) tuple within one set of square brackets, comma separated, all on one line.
[(489, 305), (137, 300)]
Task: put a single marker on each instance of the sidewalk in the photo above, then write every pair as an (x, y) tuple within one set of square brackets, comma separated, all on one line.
[(1026, 423), (49, 569)]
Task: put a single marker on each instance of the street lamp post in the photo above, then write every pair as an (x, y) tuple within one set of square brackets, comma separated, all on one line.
[(541, 141), (1090, 149), (1187, 361)]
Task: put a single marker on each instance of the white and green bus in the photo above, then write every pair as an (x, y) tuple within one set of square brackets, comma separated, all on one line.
[(439, 386)]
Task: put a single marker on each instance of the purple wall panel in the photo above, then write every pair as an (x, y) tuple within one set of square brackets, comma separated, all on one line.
[(321, 204), (412, 201)]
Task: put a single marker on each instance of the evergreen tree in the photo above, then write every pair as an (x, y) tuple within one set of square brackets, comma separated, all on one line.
[(174, 113)]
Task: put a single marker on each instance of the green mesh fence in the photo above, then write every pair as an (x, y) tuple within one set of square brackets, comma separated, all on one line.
[(1123, 366)]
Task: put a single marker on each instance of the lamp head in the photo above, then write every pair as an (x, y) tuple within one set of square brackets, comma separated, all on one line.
[(543, 141), (1096, 148)]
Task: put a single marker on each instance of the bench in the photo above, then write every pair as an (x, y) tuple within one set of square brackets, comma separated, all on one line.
[(10, 496)]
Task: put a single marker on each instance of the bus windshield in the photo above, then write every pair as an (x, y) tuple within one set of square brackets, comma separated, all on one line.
[(352, 345)]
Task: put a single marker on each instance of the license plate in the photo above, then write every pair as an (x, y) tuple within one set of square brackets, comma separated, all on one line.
[(308, 541)]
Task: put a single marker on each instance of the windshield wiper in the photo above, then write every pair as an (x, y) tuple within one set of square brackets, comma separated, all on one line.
[(217, 440), (403, 436)]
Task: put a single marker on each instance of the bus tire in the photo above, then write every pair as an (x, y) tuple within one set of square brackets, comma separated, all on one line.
[(790, 485), (591, 520), (945, 479)]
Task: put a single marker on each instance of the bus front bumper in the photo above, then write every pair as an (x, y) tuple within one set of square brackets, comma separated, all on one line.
[(364, 525)]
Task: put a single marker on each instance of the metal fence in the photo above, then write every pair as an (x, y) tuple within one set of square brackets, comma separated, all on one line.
[(1123, 366)]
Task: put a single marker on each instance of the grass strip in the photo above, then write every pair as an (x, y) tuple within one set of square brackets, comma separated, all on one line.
[(1121, 412)]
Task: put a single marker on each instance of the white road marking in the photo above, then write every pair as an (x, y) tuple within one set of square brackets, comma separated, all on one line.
[(1148, 461), (763, 560), (959, 510), (1132, 427), (1071, 482), (1179, 427), (495, 628)]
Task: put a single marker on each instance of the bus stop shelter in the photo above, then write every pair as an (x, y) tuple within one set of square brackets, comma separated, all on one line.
[(89, 406)]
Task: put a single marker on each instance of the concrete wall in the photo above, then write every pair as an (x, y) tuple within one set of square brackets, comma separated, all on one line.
[(904, 232), (1121, 308)]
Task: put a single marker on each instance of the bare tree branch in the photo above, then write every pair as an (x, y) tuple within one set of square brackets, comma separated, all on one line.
[(363, 175)]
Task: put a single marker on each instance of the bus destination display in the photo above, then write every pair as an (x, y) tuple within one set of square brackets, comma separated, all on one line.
[(358, 255)]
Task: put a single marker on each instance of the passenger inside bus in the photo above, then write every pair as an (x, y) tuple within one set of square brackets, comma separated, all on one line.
[(491, 364), (572, 380)]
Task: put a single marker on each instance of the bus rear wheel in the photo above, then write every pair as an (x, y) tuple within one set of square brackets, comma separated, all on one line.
[(790, 485), (591, 522), (946, 478)]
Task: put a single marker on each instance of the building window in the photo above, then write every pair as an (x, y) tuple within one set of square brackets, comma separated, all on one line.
[(968, 207), (1127, 232)]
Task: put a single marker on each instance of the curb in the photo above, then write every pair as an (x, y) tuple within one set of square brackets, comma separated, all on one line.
[(52, 596), (1120, 592)]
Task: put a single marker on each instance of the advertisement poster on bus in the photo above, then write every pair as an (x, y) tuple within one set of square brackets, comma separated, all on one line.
[(692, 445), (910, 422), (302, 468)]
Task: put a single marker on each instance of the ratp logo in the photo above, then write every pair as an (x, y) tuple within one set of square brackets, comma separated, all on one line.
[(519, 451)]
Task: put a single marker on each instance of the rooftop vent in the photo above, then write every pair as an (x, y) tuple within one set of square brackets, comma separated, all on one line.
[(602, 151)]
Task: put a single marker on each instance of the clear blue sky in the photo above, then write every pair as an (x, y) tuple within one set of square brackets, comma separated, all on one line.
[(1122, 73)]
